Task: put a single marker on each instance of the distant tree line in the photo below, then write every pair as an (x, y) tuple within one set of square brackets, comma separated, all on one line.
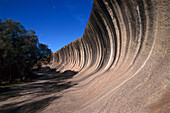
[(20, 51)]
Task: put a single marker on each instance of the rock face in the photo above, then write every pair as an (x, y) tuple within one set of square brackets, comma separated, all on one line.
[(122, 60)]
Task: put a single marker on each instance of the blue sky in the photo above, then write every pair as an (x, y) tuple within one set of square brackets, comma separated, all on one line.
[(56, 22)]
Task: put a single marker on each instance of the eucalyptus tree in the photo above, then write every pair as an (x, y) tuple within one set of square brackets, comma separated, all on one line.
[(20, 51)]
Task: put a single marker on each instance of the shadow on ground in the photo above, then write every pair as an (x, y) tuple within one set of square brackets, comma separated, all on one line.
[(35, 96)]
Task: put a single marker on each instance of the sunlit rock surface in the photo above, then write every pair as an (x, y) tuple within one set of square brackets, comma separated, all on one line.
[(122, 60)]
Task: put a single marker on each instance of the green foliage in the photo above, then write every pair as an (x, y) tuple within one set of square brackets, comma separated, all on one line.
[(20, 51)]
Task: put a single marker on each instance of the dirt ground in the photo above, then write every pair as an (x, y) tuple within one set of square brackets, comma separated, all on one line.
[(37, 95)]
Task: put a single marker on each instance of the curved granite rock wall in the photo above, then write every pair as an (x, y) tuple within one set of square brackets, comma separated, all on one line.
[(122, 60)]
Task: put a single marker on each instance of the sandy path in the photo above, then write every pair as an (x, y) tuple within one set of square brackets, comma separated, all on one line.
[(35, 96)]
